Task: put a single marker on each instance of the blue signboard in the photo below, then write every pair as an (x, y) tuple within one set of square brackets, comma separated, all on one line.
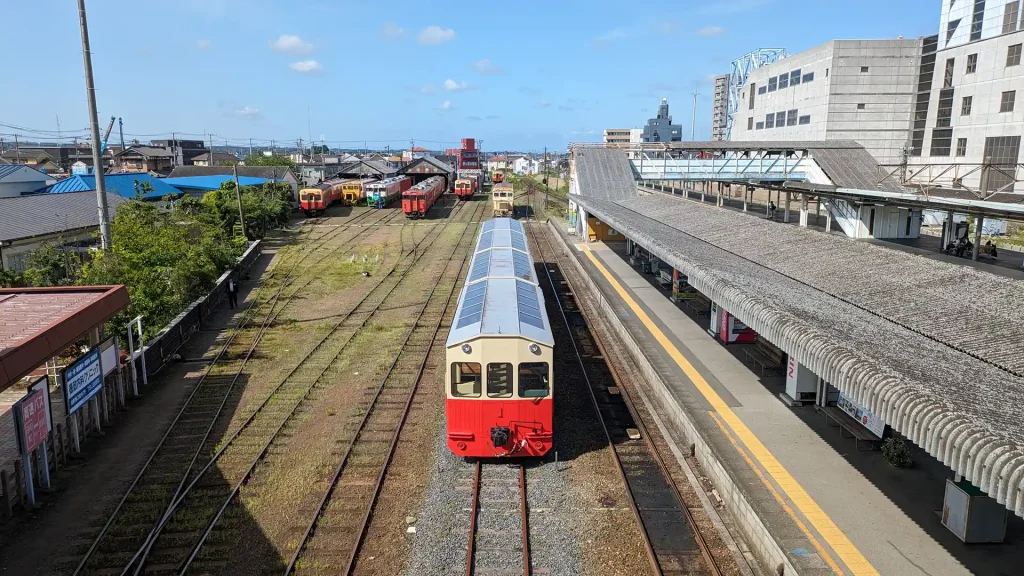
[(82, 380)]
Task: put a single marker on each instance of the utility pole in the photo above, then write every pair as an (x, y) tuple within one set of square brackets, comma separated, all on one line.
[(238, 195), (97, 160), (120, 130), (545, 178), (250, 146), (693, 118), (17, 145)]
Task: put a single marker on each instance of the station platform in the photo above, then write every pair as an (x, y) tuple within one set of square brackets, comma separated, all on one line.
[(831, 508)]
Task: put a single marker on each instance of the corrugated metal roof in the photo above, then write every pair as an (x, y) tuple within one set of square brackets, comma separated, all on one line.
[(853, 167), (501, 296), (41, 214), (936, 349), (604, 173), (120, 184), (271, 172), (212, 182)]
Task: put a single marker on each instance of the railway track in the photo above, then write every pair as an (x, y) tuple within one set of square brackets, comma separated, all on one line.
[(493, 521), (331, 541), (673, 542), (181, 448)]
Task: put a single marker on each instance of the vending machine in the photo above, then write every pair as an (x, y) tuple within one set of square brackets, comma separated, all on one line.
[(731, 330)]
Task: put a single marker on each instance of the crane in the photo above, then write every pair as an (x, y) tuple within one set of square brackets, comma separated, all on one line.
[(106, 135)]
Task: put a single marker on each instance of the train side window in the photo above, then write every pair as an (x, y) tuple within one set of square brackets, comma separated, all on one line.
[(533, 380), (466, 379), (499, 380)]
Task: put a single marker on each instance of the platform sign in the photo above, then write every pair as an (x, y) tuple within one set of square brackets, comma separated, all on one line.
[(30, 421), (82, 380), (43, 385), (868, 419), (108, 355)]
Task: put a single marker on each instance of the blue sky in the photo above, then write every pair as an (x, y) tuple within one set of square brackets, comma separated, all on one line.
[(520, 75)]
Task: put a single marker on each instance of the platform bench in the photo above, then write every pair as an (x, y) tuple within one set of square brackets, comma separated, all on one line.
[(764, 355), (699, 304), (846, 422)]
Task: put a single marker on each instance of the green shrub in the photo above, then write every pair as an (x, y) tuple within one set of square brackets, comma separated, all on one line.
[(896, 452)]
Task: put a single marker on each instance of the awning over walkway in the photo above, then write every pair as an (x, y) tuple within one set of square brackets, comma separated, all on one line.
[(936, 349), (38, 323)]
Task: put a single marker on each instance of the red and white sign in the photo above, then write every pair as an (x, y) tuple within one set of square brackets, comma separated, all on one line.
[(30, 414)]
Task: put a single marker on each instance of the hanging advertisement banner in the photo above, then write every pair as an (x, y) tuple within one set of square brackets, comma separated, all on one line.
[(30, 421), (43, 385), (82, 380), (869, 420)]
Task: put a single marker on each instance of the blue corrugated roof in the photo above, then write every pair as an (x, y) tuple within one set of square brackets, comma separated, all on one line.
[(6, 169), (211, 182), (120, 184)]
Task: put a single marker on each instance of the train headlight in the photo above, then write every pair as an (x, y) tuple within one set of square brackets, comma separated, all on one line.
[(534, 348), (467, 348)]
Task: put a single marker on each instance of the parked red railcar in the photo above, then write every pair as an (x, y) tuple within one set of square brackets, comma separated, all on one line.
[(314, 201), (499, 389), (416, 201), (466, 186)]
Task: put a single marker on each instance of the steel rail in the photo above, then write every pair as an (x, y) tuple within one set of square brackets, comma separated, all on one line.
[(138, 561), (524, 520), (641, 427), (255, 303), (339, 470), (471, 548), (524, 509)]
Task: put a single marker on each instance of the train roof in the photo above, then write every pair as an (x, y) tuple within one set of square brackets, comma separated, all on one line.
[(501, 296)]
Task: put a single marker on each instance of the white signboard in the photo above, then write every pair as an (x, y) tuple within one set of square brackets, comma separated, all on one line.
[(866, 418), (82, 380), (108, 355)]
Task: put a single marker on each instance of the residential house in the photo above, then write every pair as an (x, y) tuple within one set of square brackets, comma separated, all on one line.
[(523, 165), (144, 159), (299, 157), (27, 223), (414, 153), (124, 185), (497, 162), (183, 152), (34, 157), (218, 159), (18, 179)]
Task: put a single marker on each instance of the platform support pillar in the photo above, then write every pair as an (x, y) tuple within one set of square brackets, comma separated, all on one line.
[(785, 209), (828, 221), (803, 210), (978, 223), (947, 230)]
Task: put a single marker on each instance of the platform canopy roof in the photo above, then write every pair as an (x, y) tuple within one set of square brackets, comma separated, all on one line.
[(501, 296), (36, 324), (936, 349)]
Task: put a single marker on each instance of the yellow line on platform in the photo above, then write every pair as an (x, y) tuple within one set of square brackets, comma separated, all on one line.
[(836, 539)]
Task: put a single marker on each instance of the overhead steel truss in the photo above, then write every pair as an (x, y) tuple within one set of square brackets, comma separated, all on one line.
[(729, 166), (970, 177), (741, 69)]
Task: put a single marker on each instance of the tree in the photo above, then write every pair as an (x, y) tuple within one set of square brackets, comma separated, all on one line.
[(51, 265), (317, 149), (261, 160), (265, 206)]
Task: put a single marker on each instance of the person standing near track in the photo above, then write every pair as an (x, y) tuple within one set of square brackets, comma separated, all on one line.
[(232, 293)]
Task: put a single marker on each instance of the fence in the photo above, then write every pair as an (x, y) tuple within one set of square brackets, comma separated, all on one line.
[(116, 390)]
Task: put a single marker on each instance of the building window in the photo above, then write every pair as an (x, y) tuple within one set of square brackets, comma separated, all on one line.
[(977, 19), (780, 119), (972, 64), (533, 379), (805, 119), (499, 380), (794, 77), (808, 77), (773, 83), (466, 379), (965, 105), (762, 90), (750, 123), (1000, 158), (769, 121), (1010, 16), (1013, 55), (961, 146), (945, 111), (861, 106), (826, 72), (947, 78), (863, 69), (783, 81), (951, 29), (791, 118), (759, 126), (1006, 102), (751, 105), (942, 140)]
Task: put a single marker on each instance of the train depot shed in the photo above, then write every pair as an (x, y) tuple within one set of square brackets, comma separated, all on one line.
[(423, 168), (880, 341)]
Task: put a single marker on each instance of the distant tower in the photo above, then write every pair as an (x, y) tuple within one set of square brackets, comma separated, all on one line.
[(661, 128), (663, 111)]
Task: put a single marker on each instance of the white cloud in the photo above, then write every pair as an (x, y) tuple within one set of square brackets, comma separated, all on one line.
[(453, 86), (474, 118), (711, 31), (544, 104), (434, 35), (428, 89), (306, 66), (445, 106), (493, 117), (203, 44), (291, 44), (667, 27), (485, 67), (247, 112), (391, 30), (609, 37)]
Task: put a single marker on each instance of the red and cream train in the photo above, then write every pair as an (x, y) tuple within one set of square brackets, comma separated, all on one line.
[(499, 353)]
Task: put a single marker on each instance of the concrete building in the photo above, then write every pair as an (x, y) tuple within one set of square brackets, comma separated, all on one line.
[(623, 135), (968, 123), (218, 159), (720, 109), (661, 128), (861, 90)]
